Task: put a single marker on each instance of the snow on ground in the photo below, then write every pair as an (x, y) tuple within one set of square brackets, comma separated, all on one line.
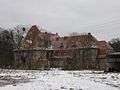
[(56, 79)]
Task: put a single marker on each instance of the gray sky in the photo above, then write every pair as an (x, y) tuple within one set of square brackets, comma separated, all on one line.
[(100, 17)]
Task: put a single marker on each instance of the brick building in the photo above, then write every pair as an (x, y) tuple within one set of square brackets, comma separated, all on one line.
[(68, 52), (79, 52)]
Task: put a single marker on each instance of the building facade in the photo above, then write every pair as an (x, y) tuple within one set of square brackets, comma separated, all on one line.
[(68, 52)]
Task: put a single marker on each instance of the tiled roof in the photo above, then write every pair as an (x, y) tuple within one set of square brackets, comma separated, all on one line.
[(103, 45), (32, 33), (36, 39), (79, 41), (64, 47)]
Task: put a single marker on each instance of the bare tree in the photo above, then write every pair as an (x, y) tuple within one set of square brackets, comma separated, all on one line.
[(17, 35), (115, 43)]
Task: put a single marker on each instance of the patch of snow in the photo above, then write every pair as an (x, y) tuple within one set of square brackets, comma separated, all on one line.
[(56, 79)]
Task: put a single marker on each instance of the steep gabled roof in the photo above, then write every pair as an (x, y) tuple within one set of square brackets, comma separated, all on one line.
[(103, 45), (32, 33), (37, 39)]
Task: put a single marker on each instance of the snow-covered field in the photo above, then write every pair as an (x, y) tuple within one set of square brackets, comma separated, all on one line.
[(56, 79)]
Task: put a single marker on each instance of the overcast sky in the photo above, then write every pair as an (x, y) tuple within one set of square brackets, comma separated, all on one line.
[(100, 17)]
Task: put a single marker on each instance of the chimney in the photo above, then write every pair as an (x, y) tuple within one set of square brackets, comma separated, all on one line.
[(89, 33), (56, 33), (64, 37)]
